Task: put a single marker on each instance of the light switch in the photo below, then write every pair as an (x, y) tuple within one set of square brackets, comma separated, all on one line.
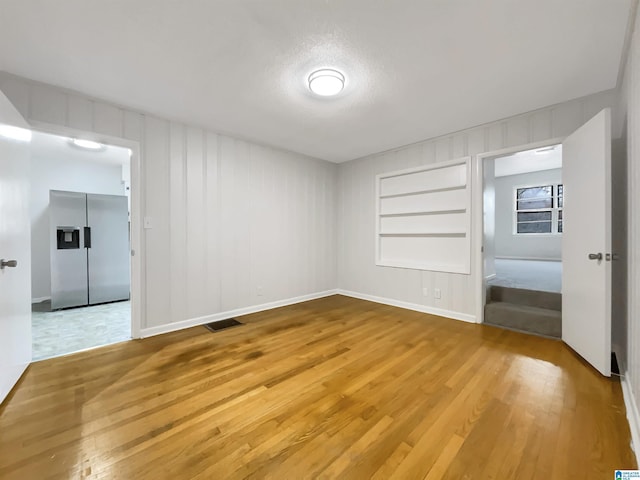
[(148, 222)]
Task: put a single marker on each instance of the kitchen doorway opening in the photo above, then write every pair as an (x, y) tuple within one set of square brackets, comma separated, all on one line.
[(80, 210)]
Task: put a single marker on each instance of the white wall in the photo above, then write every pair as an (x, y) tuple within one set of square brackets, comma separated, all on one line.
[(508, 245), (228, 216), (357, 270), (627, 125), (55, 173)]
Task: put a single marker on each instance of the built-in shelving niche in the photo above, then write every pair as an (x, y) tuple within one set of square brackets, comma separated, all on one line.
[(423, 217)]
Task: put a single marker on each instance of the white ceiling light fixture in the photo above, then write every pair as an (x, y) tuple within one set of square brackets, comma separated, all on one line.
[(15, 133), (87, 144), (545, 150), (326, 82)]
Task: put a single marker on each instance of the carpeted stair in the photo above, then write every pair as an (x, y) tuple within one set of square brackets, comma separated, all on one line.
[(525, 310)]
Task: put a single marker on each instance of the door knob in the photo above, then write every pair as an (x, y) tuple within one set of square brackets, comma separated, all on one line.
[(595, 256), (8, 263)]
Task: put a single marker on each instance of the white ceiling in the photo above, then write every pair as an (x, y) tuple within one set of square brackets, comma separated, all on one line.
[(529, 161), (54, 147), (415, 68)]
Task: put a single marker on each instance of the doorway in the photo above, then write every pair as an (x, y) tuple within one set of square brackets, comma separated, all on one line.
[(523, 196), (62, 165)]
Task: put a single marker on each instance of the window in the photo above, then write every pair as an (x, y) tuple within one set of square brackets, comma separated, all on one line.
[(538, 209)]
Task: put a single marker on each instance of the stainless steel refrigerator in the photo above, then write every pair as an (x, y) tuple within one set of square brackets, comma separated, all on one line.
[(89, 248)]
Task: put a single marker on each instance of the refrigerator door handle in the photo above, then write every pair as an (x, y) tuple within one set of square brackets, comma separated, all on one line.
[(87, 237)]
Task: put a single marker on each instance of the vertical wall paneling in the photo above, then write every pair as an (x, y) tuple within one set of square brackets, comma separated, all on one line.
[(242, 199), (47, 105), (541, 125), (357, 272), (344, 194), (80, 114), (195, 223), (157, 238), (18, 92), (212, 225), (108, 120), (132, 126), (627, 125), (228, 262), (178, 222), (201, 257), (565, 117), (517, 132)]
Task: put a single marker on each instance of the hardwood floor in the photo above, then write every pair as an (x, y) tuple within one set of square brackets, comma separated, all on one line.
[(333, 388)]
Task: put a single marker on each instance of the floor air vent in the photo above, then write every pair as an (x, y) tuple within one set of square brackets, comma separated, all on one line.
[(222, 324)]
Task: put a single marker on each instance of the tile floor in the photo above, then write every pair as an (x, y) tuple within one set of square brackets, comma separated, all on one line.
[(66, 331)]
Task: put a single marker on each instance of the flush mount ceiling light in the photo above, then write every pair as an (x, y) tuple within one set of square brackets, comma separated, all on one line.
[(326, 82), (86, 144), (15, 133)]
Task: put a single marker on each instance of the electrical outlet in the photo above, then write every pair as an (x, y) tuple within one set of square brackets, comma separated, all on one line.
[(259, 291), (425, 291), (436, 293)]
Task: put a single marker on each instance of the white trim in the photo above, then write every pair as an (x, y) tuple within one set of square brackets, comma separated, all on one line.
[(40, 299), (137, 286), (537, 259), (88, 349), (194, 322), (478, 212), (489, 277), (633, 416), (465, 317)]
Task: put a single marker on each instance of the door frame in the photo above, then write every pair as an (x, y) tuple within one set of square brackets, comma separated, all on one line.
[(477, 166), (137, 286)]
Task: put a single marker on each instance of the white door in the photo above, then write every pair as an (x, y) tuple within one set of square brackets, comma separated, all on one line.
[(586, 242), (15, 239)]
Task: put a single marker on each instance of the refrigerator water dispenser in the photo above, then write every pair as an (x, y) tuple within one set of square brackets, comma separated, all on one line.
[(68, 238)]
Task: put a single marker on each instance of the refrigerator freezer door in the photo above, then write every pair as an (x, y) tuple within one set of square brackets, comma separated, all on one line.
[(67, 218), (108, 219)]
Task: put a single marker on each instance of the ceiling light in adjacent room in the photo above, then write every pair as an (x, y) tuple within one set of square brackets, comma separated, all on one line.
[(15, 133), (86, 144), (542, 151), (326, 82)]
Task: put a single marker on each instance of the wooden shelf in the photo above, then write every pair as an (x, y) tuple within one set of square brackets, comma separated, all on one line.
[(422, 217), (432, 267), (429, 212), (420, 192), (425, 234)]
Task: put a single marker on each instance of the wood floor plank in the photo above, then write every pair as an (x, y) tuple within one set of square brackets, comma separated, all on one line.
[(332, 388)]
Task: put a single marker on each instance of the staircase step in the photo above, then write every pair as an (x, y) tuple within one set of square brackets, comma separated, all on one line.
[(542, 321), (520, 296)]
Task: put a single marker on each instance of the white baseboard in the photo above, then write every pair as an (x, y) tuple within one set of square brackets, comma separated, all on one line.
[(40, 299), (193, 322), (633, 416), (465, 317), (538, 259)]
